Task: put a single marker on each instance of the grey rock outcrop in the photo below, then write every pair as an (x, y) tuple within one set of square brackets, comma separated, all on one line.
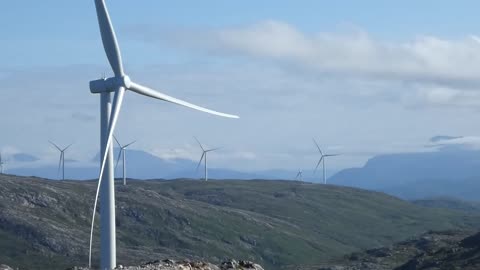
[(5, 267), (188, 265)]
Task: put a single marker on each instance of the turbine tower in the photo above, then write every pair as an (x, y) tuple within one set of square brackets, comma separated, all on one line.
[(61, 162), (204, 157), (299, 176), (109, 112), (322, 160), (2, 162), (122, 153)]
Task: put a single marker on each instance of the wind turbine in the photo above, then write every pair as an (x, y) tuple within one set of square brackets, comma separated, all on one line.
[(61, 162), (109, 112), (322, 160), (204, 157), (2, 162), (123, 152), (299, 176)]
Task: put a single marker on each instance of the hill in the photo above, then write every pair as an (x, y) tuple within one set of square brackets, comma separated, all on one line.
[(44, 224), (434, 250), (449, 203)]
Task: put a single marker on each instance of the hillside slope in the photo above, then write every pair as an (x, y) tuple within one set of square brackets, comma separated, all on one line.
[(434, 250), (44, 224)]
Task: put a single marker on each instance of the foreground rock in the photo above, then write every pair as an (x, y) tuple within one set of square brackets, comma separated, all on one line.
[(188, 265)]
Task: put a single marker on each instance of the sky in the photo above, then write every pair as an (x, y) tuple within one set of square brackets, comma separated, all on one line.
[(361, 77)]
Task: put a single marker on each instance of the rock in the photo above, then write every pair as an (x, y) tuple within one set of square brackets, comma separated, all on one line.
[(5, 267), (240, 265), (168, 264)]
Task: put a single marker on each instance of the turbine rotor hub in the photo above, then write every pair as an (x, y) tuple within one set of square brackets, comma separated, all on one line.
[(107, 85)]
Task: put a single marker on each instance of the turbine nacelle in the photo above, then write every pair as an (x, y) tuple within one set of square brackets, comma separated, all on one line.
[(110, 84)]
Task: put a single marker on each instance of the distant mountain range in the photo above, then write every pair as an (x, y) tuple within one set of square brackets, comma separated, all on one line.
[(449, 170)]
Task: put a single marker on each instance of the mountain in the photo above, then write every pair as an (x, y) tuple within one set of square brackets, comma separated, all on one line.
[(447, 172), (45, 224)]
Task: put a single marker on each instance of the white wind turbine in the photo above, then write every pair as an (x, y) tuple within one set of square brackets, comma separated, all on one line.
[(2, 162), (109, 111), (299, 176), (123, 153), (61, 162), (322, 159), (204, 157)]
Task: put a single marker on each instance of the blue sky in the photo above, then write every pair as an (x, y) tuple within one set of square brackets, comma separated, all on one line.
[(363, 77), (65, 25)]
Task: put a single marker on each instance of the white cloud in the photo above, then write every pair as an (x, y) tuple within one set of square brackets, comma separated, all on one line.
[(347, 89), (422, 71), (425, 59), (464, 142), (441, 97)]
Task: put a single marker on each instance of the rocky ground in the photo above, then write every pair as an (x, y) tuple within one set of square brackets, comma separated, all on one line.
[(187, 265), (445, 250), (448, 250)]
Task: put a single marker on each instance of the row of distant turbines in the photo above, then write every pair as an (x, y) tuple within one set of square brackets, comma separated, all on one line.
[(122, 154)]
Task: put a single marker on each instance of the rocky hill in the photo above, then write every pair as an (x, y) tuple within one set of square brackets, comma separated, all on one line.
[(443, 250), (45, 224)]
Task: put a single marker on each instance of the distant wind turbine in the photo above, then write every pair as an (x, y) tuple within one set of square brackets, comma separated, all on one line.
[(322, 160), (299, 176), (204, 157), (2, 162), (109, 112), (61, 162), (123, 153)]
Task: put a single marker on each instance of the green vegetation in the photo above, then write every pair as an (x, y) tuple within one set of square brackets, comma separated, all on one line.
[(275, 223)]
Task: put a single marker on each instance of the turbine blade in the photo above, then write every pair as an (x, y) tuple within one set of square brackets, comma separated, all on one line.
[(129, 144), (318, 164), (67, 147), (318, 147), (332, 155), (199, 143), (116, 106), (118, 157), (56, 146), (154, 94), (214, 149), (119, 145), (109, 38), (200, 162), (59, 164)]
